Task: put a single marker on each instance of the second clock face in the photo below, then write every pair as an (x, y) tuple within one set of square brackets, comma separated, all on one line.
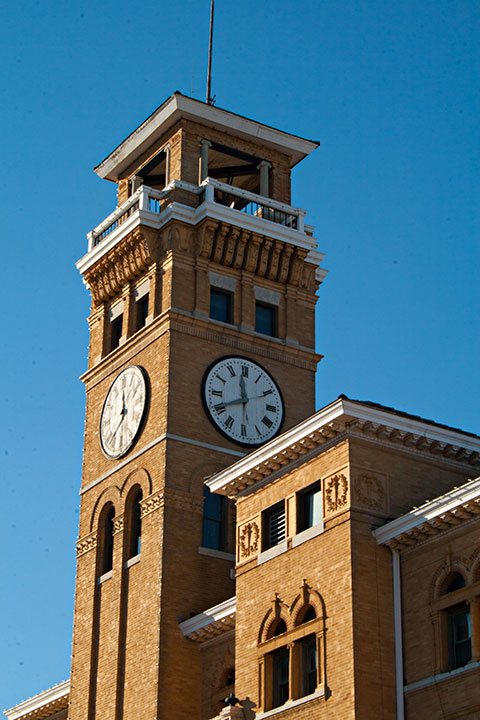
[(242, 400), (123, 412)]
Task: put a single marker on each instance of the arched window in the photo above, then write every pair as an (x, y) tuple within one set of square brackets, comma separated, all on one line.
[(135, 526), (306, 614), (455, 581), (278, 627), (106, 540), (454, 601)]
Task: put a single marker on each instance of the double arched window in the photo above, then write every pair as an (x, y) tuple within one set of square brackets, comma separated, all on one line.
[(291, 651)]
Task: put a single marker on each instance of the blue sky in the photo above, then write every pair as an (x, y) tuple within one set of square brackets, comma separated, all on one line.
[(390, 90)]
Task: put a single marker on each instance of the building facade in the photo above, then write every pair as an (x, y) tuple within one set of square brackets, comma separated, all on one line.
[(230, 542)]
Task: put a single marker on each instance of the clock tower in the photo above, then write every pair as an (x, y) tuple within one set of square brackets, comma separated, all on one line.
[(203, 284)]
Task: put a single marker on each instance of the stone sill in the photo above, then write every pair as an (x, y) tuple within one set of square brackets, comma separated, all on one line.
[(433, 679), (133, 561), (104, 577), (291, 704), (210, 552)]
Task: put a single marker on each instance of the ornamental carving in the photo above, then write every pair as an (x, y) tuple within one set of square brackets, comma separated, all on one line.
[(336, 491), (249, 536), (87, 543), (123, 263), (151, 503), (370, 491), (117, 524)]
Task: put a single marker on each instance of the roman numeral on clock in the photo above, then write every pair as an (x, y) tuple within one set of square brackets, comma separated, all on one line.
[(229, 422), (245, 370), (271, 408), (231, 370), (218, 393), (244, 431), (219, 408), (266, 421), (267, 392)]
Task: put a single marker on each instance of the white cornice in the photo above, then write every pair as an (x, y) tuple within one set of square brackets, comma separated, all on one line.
[(210, 623), (341, 416), (178, 107), (53, 699), (445, 512)]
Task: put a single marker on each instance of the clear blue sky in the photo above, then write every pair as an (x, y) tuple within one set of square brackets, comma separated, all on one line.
[(391, 91)]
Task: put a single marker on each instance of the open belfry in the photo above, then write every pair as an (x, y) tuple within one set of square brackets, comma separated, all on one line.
[(239, 554)]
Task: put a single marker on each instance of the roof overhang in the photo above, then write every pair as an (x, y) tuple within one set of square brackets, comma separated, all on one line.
[(340, 418), (43, 705), (435, 516), (179, 107), (210, 624)]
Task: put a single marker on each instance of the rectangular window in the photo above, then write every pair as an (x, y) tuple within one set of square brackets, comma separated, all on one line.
[(309, 665), (274, 525), (266, 319), (116, 332), (459, 636), (221, 305), (213, 535), (309, 507), (141, 312), (281, 663)]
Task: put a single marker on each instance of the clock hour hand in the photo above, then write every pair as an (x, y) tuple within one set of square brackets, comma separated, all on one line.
[(233, 402), (243, 390)]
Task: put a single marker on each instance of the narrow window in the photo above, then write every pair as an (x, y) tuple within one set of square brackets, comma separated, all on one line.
[(107, 530), (221, 305), (309, 507), (280, 688), (135, 529), (141, 312), (274, 525), (459, 636), (116, 332), (309, 665), (213, 535), (266, 319)]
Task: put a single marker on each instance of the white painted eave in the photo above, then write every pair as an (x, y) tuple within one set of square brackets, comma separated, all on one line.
[(340, 416), (179, 106), (466, 494), (210, 623), (35, 704)]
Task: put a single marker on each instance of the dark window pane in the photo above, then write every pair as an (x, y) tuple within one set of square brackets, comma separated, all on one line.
[(309, 665), (456, 582), (107, 559), (309, 507), (135, 527), (265, 319), (141, 312), (213, 520), (459, 636), (220, 305), (274, 525), (116, 332), (280, 677)]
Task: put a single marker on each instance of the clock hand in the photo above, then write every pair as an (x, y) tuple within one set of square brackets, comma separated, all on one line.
[(242, 389), (233, 402)]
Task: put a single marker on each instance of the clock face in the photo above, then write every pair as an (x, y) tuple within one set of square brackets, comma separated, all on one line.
[(123, 412), (242, 400)]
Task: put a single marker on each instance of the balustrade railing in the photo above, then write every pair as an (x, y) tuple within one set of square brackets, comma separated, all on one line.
[(212, 191)]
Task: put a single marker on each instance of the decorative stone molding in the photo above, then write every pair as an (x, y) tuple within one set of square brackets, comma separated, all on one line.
[(248, 538), (118, 522), (211, 623), (370, 490), (124, 262), (44, 705), (336, 493), (151, 503), (88, 542)]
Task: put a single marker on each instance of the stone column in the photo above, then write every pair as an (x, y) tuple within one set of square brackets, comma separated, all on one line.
[(204, 145), (264, 167)]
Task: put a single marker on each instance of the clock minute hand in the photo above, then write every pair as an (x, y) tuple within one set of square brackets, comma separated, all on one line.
[(234, 402)]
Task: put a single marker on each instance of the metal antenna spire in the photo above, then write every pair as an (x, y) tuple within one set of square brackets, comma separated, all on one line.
[(210, 99)]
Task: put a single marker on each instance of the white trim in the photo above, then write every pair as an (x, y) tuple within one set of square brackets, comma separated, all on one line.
[(53, 694), (271, 297), (430, 510), (160, 438), (223, 282), (397, 622), (272, 552), (133, 560), (178, 106), (212, 615), (346, 411), (307, 534), (115, 310), (434, 679), (291, 704), (103, 578), (141, 290), (220, 554)]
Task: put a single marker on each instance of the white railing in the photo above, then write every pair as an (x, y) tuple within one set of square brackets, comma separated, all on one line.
[(210, 191), (253, 204)]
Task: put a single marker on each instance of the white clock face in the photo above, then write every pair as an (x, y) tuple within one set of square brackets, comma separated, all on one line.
[(123, 412), (242, 400)]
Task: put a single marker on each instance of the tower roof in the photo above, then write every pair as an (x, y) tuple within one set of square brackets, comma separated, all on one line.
[(177, 107)]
